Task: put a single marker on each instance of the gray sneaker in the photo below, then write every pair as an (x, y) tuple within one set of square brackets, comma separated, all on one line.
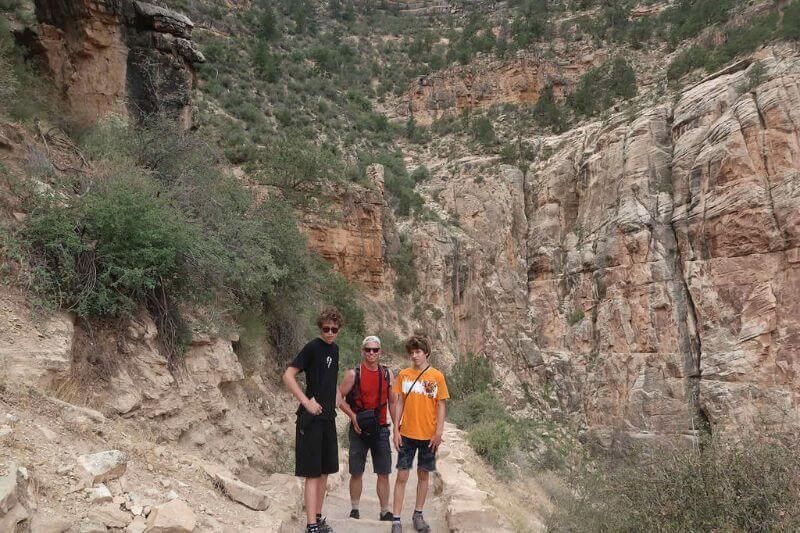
[(419, 523), (324, 527), (397, 527)]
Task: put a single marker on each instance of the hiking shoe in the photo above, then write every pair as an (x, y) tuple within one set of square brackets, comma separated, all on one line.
[(419, 523), (355, 514), (386, 517), (397, 527), (324, 527)]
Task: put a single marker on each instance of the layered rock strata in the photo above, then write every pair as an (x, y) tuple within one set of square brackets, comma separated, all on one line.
[(488, 81), (352, 230), (118, 56), (639, 276)]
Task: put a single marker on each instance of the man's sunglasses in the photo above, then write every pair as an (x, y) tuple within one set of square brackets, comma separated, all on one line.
[(372, 350), (326, 329)]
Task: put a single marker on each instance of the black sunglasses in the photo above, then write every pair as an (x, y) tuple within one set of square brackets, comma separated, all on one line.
[(372, 350), (326, 329)]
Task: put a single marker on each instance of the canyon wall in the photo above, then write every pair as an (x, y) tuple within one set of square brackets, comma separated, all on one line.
[(118, 56), (640, 274), (488, 81)]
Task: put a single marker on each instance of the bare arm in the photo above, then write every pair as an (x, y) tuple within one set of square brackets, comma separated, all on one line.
[(398, 413), (392, 399), (441, 410), (344, 389), (290, 380)]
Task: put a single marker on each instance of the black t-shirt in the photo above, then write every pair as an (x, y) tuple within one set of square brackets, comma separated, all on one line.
[(320, 361)]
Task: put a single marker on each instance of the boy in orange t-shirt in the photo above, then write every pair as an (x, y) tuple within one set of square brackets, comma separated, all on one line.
[(420, 409)]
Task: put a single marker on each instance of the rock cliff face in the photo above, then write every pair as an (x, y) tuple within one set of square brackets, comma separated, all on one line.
[(639, 275), (489, 81), (118, 56), (354, 234)]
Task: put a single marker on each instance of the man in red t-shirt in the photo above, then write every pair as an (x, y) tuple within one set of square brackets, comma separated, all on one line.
[(368, 390)]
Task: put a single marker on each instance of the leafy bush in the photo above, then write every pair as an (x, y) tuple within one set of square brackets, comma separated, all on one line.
[(599, 87), (688, 60), (403, 264), (470, 410), (294, 164), (547, 112), (106, 251), (687, 18), (751, 485), (477, 36), (474, 374), (575, 317), (420, 174), (161, 226), (483, 131), (493, 440), (790, 24), (530, 23)]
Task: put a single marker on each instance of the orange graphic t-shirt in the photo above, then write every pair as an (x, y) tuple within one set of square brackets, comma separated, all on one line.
[(419, 412)]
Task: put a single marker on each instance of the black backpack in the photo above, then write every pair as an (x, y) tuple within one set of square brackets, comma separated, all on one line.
[(368, 419)]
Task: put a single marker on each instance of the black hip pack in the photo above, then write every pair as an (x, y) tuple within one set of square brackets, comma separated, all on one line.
[(368, 419)]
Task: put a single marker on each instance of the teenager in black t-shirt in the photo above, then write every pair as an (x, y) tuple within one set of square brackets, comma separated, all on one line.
[(316, 446)]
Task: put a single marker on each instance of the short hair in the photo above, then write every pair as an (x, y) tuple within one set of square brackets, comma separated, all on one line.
[(330, 314), (418, 342), (371, 338)]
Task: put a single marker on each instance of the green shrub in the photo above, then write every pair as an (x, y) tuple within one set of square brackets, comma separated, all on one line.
[(470, 410), (420, 174), (403, 264), (294, 164), (103, 253), (477, 36), (162, 226), (547, 112), (474, 374), (267, 64), (575, 317), (687, 18), (530, 23), (601, 86), (494, 441), (483, 131), (790, 24), (752, 485), (688, 60)]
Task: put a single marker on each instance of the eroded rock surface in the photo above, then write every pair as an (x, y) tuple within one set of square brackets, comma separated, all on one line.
[(640, 274), (350, 231), (118, 56)]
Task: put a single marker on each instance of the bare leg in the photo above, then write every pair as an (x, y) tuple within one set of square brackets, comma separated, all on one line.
[(323, 486), (356, 485), (382, 487), (399, 491), (312, 499), (422, 488)]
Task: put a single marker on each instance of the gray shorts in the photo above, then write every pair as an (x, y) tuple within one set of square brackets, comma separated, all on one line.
[(379, 447)]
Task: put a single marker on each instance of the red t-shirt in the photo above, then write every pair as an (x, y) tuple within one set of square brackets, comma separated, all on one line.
[(368, 391)]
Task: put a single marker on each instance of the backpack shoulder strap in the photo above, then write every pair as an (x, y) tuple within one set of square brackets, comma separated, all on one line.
[(355, 392)]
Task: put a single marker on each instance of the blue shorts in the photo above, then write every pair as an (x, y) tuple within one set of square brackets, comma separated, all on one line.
[(408, 448)]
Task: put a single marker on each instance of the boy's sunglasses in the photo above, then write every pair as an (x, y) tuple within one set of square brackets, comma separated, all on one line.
[(372, 350), (326, 329)]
